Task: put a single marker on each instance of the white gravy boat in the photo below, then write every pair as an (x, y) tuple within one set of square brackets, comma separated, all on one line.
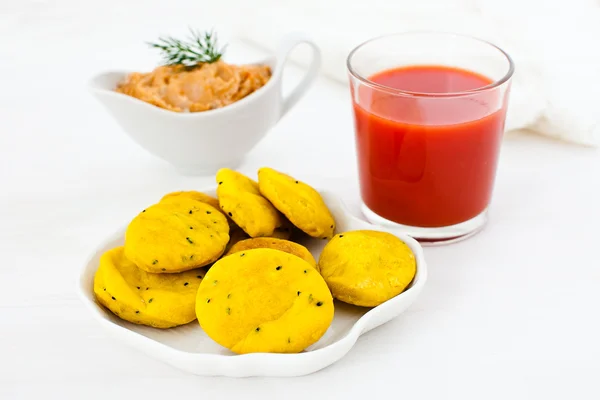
[(201, 143)]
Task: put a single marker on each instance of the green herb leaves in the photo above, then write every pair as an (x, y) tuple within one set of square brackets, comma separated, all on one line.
[(197, 49)]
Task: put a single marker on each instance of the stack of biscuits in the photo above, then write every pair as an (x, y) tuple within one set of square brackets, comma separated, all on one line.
[(232, 263)]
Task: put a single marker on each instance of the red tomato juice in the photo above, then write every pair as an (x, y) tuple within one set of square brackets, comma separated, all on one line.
[(427, 161)]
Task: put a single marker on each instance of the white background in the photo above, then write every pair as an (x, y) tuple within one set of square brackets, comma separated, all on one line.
[(510, 313)]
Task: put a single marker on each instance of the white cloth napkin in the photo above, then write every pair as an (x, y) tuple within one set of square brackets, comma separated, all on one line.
[(555, 45)]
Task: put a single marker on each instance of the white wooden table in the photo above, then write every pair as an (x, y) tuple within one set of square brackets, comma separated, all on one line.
[(510, 313)]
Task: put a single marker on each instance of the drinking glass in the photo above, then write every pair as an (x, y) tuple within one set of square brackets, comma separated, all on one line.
[(427, 148)]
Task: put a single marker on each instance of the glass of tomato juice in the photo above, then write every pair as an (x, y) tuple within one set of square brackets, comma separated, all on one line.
[(429, 112)]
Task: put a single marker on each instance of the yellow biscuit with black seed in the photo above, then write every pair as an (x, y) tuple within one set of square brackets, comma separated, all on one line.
[(241, 200), (367, 268), (299, 202), (264, 300), (132, 294), (277, 244), (201, 197), (176, 235)]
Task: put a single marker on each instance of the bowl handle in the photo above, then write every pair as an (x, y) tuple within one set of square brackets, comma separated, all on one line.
[(288, 44)]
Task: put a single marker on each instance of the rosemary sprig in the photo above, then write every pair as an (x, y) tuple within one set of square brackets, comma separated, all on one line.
[(199, 48)]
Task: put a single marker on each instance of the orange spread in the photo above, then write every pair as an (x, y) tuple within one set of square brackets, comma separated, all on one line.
[(205, 87)]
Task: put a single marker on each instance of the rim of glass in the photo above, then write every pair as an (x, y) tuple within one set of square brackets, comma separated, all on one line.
[(368, 82)]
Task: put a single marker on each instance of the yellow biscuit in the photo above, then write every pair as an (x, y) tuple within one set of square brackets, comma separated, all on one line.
[(194, 195), (201, 197), (240, 198), (277, 244), (158, 300), (176, 235), (299, 202), (264, 300), (366, 268)]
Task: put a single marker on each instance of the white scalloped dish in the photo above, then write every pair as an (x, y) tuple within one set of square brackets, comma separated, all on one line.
[(190, 349)]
